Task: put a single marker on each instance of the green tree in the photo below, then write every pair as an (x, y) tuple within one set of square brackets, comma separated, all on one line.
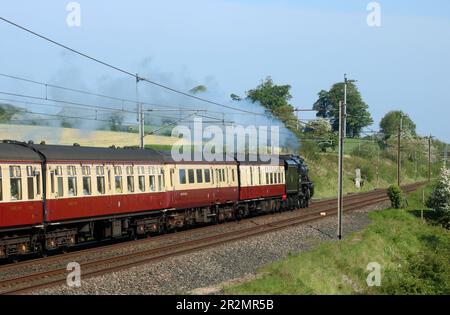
[(318, 127), (391, 121), (358, 116), (7, 112), (271, 96), (275, 98)]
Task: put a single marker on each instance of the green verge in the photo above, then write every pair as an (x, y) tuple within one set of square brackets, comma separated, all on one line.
[(414, 258)]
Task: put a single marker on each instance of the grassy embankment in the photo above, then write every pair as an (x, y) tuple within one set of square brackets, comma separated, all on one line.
[(324, 169), (414, 258)]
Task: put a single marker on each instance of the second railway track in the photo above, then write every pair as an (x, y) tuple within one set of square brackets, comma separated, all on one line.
[(99, 266)]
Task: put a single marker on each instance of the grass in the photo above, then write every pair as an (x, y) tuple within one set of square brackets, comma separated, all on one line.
[(414, 259), (324, 173)]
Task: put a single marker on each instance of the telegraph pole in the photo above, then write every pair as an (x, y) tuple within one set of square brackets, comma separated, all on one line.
[(342, 134), (140, 116), (399, 156), (340, 166)]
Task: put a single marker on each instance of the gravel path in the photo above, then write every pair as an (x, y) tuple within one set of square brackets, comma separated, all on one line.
[(206, 271)]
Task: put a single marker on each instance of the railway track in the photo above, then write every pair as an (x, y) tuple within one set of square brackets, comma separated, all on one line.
[(100, 266)]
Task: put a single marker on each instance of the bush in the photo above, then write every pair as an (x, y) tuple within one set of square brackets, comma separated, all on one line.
[(367, 172), (310, 150), (439, 199), (396, 196)]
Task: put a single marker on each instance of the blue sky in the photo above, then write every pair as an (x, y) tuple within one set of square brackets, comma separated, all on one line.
[(233, 44)]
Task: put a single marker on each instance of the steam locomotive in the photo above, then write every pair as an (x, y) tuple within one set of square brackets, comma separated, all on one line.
[(53, 198)]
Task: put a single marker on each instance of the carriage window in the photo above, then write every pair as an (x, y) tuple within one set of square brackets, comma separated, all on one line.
[(160, 181), (130, 183), (259, 175), (141, 180), (72, 180), (267, 178), (30, 182), (251, 176), (199, 176), (152, 182), (163, 179), (38, 183), (232, 175), (130, 170), (109, 180), (171, 177), (118, 184), (86, 170), (52, 182), (130, 179), (212, 176), (87, 191), (15, 182), (207, 176), (218, 176), (101, 185), (118, 179), (100, 172), (182, 176), (87, 183), (59, 182), (223, 175), (191, 176), (58, 171), (72, 185), (60, 186), (279, 178), (271, 178)]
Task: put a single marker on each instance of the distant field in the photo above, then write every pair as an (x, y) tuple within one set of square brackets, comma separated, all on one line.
[(69, 136)]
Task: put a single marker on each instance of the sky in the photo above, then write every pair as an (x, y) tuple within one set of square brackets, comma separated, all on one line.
[(231, 45)]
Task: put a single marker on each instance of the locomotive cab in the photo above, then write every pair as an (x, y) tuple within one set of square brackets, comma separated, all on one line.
[(299, 188)]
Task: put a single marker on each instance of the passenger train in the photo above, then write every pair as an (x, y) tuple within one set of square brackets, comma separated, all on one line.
[(53, 198)]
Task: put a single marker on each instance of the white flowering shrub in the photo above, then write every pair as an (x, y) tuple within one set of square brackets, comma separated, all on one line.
[(440, 198)]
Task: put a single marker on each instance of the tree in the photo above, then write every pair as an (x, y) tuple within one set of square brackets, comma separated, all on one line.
[(275, 98), (358, 116), (321, 128), (391, 121), (440, 198), (7, 112), (271, 96), (318, 127)]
